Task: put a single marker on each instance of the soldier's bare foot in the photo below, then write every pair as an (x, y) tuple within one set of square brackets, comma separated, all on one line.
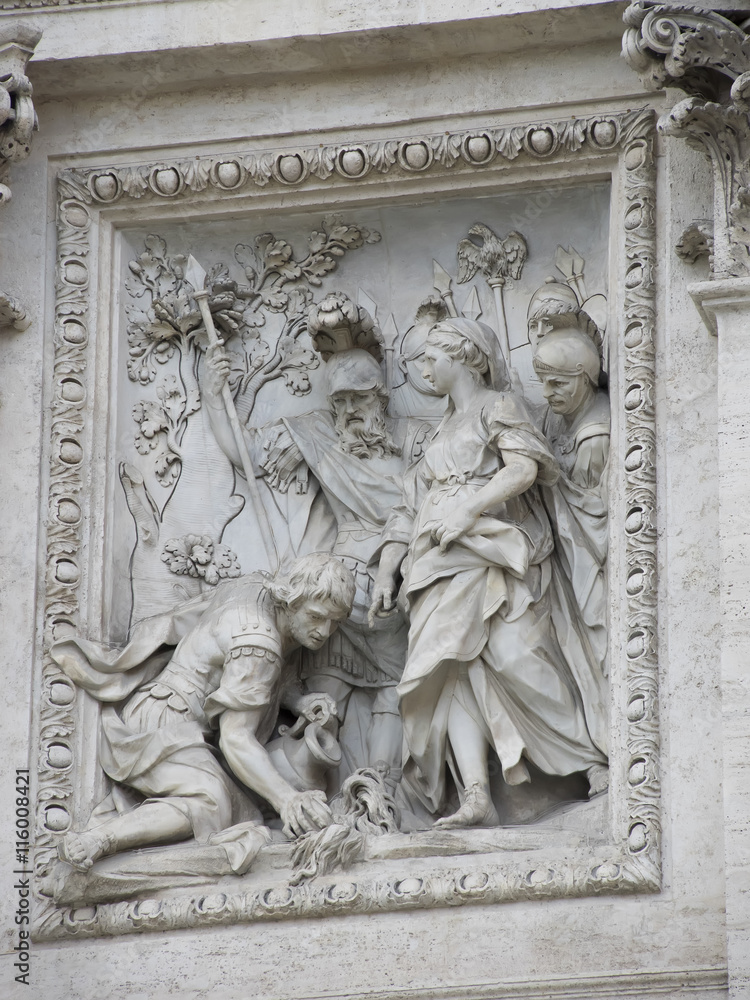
[(81, 850), (477, 809)]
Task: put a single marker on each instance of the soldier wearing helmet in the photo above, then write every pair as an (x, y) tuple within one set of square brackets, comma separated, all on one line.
[(577, 423), (351, 457)]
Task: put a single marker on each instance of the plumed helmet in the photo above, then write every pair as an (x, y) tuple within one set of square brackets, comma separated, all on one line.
[(567, 352), (553, 300), (429, 312), (353, 371), (338, 324)]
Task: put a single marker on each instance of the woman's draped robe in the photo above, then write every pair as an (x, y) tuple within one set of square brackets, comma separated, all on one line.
[(480, 622)]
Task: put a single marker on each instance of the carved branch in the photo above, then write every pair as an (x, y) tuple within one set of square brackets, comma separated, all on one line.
[(708, 56)]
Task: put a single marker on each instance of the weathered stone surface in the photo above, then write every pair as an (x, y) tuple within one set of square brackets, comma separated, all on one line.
[(210, 127)]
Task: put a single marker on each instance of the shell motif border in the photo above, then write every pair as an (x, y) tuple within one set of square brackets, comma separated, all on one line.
[(633, 862)]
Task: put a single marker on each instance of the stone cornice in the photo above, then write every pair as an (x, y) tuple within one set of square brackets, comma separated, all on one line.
[(100, 48), (11, 5)]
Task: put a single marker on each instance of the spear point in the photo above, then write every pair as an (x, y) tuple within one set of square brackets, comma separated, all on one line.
[(195, 274), (441, 280)]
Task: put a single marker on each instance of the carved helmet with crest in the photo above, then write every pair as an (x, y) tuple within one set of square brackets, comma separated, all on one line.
[(556, 306), (337, 324)]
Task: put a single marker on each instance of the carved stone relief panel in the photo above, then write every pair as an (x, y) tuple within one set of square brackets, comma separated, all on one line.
[(330, 458)]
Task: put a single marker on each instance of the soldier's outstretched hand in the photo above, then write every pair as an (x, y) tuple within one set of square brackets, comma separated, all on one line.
[(304, 813)]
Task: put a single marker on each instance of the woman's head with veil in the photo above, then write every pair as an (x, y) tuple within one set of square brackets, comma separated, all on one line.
[(473, 345)]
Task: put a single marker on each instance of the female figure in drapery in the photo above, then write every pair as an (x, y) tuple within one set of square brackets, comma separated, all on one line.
[(485, 669)]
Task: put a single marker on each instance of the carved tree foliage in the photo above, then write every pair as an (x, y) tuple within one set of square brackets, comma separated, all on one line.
[(263, 316)]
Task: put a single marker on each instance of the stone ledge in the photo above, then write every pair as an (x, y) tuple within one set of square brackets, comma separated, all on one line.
[(101, 49), (681, 984)]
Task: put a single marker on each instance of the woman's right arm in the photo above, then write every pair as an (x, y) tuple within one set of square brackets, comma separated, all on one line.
[(518, 474), (384, 589)]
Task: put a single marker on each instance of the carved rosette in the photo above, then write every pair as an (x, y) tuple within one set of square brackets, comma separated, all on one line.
[(631, 861), (696, 241), (708, 56)]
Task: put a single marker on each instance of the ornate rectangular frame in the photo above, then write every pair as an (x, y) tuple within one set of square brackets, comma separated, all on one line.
[(92, 202)]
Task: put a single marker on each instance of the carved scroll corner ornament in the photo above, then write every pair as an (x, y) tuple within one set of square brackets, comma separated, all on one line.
[(13, 315), (707, 55), (696, 241), (18, 119), (685, 46), (17, 123)]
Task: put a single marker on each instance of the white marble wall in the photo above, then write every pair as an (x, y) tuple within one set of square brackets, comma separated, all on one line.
[(332, 67)]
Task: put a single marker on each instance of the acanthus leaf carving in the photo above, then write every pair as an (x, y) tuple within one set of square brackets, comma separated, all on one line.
[(707, 55), (17, 116), (12, 313)]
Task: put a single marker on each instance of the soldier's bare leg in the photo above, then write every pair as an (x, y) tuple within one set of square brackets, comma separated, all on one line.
[(150, 823), (385, 735)]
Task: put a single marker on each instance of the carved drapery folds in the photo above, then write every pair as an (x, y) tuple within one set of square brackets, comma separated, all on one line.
[(17, 123), (708, 56)]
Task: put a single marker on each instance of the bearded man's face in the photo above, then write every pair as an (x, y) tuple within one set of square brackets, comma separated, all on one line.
[(360, 423)]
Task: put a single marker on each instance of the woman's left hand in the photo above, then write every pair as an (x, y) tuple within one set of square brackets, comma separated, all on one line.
[(455, 524)]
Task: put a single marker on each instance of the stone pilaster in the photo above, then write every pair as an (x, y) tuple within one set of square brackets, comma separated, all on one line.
[(725, 306), (707, 55)]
